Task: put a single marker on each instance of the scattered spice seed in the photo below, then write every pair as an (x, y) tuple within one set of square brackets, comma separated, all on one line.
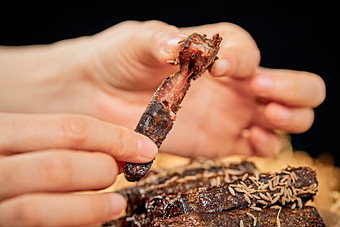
[(238, 189), (278, 218), (275, 199), (243, 184), (265, 186), (247, 198), (256, 197), (293, 206), (262, 202), (250, 215), (253, 217), (256, 208), (299, 202), (270, 183), (276, 207), (293, 190), (244, 177), (264, 197), (269, 197), (231, 190), (255, 221)]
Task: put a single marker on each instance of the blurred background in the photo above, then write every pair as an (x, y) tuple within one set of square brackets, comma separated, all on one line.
[(289, 35)]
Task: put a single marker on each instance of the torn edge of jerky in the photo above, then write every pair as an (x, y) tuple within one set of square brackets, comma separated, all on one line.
[(197, 53)]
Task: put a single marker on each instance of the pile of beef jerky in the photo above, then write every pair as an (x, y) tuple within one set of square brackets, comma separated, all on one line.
[(216, 193)]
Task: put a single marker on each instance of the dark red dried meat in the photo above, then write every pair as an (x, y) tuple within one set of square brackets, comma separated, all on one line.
[(288, 187), (251, 198), (306, 216), (185, 179), (197, 53)]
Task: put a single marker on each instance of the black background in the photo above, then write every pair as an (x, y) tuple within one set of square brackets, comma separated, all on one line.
[(293, 35)]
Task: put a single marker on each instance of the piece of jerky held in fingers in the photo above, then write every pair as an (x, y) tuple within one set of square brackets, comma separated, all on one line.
[(197, 53)]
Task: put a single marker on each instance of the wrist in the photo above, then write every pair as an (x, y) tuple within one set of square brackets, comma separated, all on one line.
[(39, 78)]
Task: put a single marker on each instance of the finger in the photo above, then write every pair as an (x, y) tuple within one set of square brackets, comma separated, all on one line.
[(294, 120), (296, 88), (140, 48), (55, 171), (160, 39), (265, 142), (289, 119), (61, 210), (220, 67), (239, 53), (155, 43), (30, 132), (257, 141)]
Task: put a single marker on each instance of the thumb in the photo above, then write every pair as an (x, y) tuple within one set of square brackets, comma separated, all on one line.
[(158, 40), (136, 53)]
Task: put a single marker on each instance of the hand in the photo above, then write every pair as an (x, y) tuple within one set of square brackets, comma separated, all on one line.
[(46, 159), (113, 74), (239, 110)]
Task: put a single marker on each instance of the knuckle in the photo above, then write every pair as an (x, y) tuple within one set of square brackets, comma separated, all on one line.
[(128, 23), (152, 23), (99, 208), (293, 86), (24, 213), (121, 148), (109, 169), (124, 147), (56, 170), (98, 204), (74, 129), (160, 28)]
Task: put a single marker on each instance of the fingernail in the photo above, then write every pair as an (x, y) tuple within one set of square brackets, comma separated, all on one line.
[(220, 67), (118, 204), (147, 148), (170, 46), (262, 84)]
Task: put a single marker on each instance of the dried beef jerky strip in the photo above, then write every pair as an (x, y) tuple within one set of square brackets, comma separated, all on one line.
[(197, 167), (302, 217), (290, 186), (202, 173), (196, 55), (307, 216), (193, 180), (130, 221)]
